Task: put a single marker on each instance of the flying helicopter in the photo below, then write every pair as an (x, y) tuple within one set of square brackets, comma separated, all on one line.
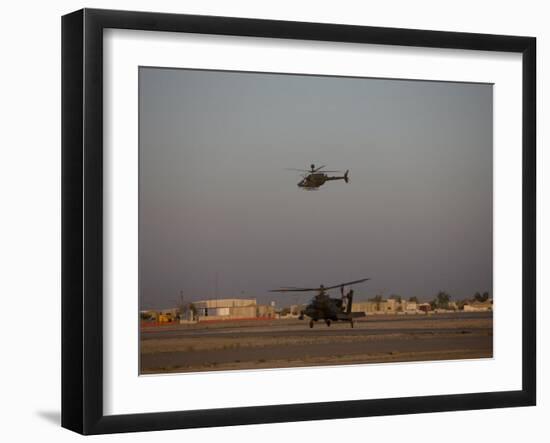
[(313, 179), (323, 307)]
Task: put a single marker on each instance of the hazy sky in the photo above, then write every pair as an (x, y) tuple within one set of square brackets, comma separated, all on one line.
[(218, 205)]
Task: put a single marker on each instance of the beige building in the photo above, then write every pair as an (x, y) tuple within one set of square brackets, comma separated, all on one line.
[(265, 311), (226, 309), (296, 309), (409, 306), (368, 307), (478, 306), (390, 306)]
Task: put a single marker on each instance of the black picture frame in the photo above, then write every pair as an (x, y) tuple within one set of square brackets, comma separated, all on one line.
[(82, 218)]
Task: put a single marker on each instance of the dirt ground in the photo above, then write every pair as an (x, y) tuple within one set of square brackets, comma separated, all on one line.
[(290, 343)]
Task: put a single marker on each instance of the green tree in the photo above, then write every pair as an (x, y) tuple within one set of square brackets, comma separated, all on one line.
[(441, 300), (481, 298), (413, 299), (395, 297)]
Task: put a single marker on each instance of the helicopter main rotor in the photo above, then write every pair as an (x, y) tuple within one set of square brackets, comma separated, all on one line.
[(312, 169), (320, 288)]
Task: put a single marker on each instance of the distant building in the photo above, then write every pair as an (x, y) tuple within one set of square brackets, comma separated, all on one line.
[(390, 306), (296, 309), (409, 306), (393, 306), (424, 307), (265, 311), (368, 307), (227, 309), (479, 306)]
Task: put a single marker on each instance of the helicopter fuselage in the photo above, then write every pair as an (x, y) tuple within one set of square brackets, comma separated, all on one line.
[(328, 309), (316, 180), (324, 307)]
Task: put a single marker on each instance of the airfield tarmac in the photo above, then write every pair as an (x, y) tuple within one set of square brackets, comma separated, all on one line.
[(255, 344)]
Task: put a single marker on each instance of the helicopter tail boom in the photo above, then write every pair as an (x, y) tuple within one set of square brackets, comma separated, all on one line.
[(344, 177)]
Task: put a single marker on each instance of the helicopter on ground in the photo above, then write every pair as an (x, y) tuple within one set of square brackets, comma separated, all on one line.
[(323, 307), (313, 179)]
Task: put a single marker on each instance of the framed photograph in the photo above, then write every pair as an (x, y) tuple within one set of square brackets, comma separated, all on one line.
[(269, 221)]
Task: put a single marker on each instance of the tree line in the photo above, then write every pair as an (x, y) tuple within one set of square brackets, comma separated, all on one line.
[(442, 300)]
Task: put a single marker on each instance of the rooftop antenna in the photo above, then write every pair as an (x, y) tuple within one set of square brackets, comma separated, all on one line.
[(216, 290)]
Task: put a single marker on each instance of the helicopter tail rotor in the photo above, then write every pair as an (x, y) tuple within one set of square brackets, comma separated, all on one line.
[(346, 176)]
